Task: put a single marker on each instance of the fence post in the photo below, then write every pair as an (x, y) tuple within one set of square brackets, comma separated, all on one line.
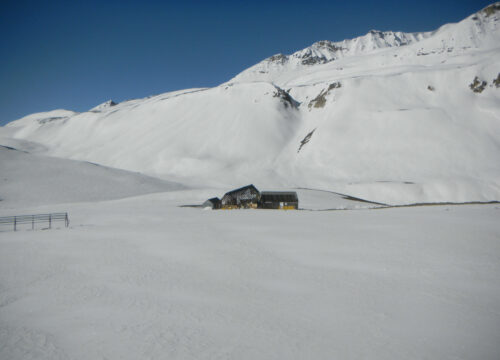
[(66, 221), (15, 222), (50, 221), (32, 222)]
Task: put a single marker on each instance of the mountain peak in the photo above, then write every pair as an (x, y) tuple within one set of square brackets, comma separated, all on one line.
[(479, 30), (104, 105), (491, 9), (327, 45), (326, 51)]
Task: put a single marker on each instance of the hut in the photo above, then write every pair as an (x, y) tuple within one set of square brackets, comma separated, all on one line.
[(244, 197), (214, 203), (286, 200)]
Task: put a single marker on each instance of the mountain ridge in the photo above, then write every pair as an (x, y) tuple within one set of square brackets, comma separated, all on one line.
[(473, 29)]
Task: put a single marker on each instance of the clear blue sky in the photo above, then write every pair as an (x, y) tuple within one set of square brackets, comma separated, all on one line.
[(77, 54)]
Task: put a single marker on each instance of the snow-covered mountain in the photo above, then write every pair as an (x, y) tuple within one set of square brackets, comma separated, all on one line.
[(388, 116), (477, 31), (325, 51)]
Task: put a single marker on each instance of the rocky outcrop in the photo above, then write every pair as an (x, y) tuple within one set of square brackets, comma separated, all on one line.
[(320, 100), (478, 85), (496, 81), (305, 140), (286, 98), (491, 9), (104, 105)]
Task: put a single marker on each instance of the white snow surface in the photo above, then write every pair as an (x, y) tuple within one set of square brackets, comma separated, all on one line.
[(142, 278), (393, 116), (28, 179)]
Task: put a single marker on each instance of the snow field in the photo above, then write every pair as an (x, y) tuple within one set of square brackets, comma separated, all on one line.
[(30, 179), (143, 278)]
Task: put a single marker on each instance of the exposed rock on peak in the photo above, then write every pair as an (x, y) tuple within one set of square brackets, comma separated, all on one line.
[(278, 58), (327, 45), (104, 105), (491, 9), (325, 51), (478, 31)]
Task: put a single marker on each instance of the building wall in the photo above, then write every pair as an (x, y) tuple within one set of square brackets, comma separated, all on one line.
[(280, 205), (245, 197)]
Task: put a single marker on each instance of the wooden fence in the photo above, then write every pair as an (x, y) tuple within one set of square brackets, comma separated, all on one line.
[(35, 219)]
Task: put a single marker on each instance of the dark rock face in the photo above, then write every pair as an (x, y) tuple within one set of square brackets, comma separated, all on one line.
[(305, 140), (278, 59), (335, 85), (320, 100), (492, 9), (477, 85), (286, 98), (398, 41), (325, 44), (309, 59), (312, 60), (496, 81)]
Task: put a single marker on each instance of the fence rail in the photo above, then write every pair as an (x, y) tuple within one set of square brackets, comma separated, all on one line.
[(35, 219)]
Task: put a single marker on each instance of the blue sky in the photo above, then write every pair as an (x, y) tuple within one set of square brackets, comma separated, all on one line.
[(77, 54)]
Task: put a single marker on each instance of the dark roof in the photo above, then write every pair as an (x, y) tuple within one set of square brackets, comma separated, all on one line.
[(284, 196), (241, 189), (214, 200)]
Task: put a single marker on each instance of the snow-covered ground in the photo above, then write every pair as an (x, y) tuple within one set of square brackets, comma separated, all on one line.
[(142, 278), (28, 179), (145, 278)]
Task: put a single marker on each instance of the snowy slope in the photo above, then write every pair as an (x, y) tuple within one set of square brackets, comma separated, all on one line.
[(198, 135), (389, 117), (29, 180)]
